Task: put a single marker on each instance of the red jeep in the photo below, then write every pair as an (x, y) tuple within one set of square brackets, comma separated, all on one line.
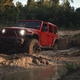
[(29, 35)]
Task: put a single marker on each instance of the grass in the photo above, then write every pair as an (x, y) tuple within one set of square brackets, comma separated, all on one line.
[(3, 78), (71, 68)]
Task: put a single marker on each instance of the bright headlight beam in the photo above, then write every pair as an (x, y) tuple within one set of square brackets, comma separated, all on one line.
[(22, 32), (3, 31)]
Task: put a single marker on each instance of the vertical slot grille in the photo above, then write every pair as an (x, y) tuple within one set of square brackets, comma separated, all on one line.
[(10, 33)]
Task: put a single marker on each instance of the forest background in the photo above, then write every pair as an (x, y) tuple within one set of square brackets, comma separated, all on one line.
[(62, 15)]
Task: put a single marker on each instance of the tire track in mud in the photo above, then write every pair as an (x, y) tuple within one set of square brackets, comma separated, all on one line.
[(43, 58)]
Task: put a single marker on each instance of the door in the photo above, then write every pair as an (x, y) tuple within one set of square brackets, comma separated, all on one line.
[(44, 35), (51, 35)]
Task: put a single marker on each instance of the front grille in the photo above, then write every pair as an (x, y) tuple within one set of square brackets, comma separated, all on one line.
[(10, 33)]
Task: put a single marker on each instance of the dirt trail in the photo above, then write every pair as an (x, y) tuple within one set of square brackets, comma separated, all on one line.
[(47, 64), (67, 32), (37, 63)]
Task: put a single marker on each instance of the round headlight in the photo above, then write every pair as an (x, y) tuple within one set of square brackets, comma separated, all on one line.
[(3, 31), (22, 32)]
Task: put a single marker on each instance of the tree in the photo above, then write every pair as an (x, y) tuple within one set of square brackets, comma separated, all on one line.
[(28, 2), (5, 4), (19, 5), (66, 1), (8, 3)]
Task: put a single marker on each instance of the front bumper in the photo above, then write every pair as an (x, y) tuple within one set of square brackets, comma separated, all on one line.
[(11, 41)]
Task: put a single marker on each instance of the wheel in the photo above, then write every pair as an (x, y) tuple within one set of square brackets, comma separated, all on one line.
[(55, 46), (33, 46)]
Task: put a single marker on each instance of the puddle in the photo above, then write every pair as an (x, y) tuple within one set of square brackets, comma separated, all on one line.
[(46, 73)]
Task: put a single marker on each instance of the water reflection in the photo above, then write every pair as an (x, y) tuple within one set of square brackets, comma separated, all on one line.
[(46, 73)]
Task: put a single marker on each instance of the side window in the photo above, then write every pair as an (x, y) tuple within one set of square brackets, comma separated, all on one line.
[(55, 30), (50, 29), (44, 28)]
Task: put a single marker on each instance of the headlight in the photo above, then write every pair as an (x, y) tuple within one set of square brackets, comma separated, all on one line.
[(3, 31), (22, 32)]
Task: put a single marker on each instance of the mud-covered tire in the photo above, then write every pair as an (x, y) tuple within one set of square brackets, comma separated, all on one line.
[(33, 46), (55, 47)]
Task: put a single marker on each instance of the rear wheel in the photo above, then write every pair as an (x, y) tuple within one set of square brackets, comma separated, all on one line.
[(55, 47), (33, 46)]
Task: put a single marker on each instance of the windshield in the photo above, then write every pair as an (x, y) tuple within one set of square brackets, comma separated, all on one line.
[(29, 24)]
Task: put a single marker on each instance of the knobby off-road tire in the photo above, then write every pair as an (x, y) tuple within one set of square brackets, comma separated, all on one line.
[(32, 46), (55, 47)]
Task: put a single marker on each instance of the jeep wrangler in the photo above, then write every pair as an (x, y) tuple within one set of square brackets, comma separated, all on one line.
[(29, 35)]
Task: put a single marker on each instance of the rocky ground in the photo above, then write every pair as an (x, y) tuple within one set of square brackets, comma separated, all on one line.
[(46, 65)]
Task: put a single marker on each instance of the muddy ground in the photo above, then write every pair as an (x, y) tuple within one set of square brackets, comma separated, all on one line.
[(62, 64)]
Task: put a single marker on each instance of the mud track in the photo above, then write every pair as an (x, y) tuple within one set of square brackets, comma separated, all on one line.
[(18, 64)]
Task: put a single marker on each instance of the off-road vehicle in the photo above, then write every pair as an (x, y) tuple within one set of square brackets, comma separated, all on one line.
[(29, 35)]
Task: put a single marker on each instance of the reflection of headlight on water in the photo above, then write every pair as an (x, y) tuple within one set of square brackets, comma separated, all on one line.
[(3, 31), (22, 32)]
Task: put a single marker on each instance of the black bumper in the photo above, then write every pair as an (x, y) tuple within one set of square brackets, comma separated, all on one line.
[(11, 41)]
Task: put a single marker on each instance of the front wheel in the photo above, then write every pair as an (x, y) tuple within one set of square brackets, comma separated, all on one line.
[(33, 46)]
